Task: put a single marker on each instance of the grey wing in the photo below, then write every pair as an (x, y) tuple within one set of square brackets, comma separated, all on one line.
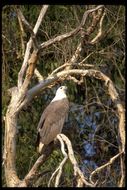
[(42, 120), (51, 124), (50, 131), (39, 127)]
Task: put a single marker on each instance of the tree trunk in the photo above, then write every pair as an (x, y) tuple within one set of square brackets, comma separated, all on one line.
[(10, 147)]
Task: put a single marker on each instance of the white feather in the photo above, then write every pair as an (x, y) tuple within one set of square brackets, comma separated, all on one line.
[(60, 94)]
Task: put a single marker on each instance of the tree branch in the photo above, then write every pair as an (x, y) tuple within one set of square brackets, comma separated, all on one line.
[(29, 45), (38, 75), (22, 34), (29, 28), (77, 171), (103, 166), (99, 34), (84, 38), (59, 169), (33, 172), (69, 34)]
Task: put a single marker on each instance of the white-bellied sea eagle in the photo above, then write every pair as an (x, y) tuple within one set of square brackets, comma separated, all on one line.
[(53, 118)]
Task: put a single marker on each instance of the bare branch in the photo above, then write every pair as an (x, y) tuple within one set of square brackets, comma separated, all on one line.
[(38, 75), (59, 169), (79, 182), (40, 18), (77, 171), (95, 40), (111, 89), (69, 64), (33, 172), (18, 95), (29, 45), (75, 80), (29, 28), (37, 89), (84, 37), (76, 55), (105, 165), (30, 71), (22, 96), (69, 34), (22, 34)]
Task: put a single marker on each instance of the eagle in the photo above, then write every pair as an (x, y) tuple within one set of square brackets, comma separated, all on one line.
[(52, 119)]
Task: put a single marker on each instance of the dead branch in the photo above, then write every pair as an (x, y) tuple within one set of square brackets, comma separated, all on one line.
[(105, 165), (29, 73), (18, 96), (51, 41), (96, 38), (31, 176), (72, 33), (29, 28), (77, 172), (72, 63), (75, 56), (29, 45), (38, 75), (79, 82), (22, 34), (97, 74), (84, 37), (96, 19), (59, 169)]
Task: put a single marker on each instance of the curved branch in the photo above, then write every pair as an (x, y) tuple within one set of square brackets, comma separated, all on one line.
[(59, 169), (69, 34), (77, 171), (99, 34), (103, 166)]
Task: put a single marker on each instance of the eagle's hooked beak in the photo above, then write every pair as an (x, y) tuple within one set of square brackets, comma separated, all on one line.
[(64, 88)]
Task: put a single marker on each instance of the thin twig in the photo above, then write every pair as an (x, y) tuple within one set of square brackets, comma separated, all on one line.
[(93, 41), (103, 166)]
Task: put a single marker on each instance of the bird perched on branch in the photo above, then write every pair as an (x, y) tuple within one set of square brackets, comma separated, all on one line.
[(53, 118)]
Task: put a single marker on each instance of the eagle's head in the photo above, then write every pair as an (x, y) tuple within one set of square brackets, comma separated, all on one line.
[(60, 93), (62, 89)]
